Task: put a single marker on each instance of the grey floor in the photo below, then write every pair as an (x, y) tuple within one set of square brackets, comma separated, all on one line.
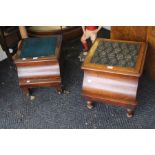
[(50, 110)]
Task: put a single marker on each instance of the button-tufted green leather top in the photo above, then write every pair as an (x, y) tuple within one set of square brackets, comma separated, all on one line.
[(37, 47), (116, 54)]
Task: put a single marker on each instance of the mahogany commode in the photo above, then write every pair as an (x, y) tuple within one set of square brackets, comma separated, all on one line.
[(38, 63), (111, 72)]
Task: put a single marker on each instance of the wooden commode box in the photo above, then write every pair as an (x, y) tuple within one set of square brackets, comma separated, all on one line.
[(111, 72), (37, 63)]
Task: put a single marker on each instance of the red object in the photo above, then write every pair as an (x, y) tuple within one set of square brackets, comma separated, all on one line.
[(85, 46), (91, 28)]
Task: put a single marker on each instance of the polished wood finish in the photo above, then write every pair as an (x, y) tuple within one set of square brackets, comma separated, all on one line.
[(150, 59), (41, 71), (68, 33), (130, 33), (114, 85)]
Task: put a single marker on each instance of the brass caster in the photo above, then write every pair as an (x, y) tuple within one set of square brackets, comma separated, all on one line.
[(32, 97), (89, 105)]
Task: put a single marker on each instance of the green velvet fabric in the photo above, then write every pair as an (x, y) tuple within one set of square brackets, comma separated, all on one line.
[(37, 47)]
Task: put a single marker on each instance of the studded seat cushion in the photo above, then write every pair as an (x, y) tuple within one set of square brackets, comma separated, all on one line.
[(37, 47), (116, 54)]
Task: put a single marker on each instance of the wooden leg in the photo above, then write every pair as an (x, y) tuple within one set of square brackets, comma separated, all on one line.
[(60, 89), (130, 112), (90, 104), (32, 97), (25, 91)]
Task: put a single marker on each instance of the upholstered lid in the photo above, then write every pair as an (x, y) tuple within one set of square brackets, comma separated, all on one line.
[(123, 54), (37, 47), (116, 56)]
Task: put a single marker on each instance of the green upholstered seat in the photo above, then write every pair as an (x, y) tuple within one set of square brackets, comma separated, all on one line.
[(37, 47)]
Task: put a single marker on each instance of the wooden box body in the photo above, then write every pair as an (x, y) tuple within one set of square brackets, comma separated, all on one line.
[(39, 71), (112, 84)]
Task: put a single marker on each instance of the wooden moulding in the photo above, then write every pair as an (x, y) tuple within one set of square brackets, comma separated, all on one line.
[(112, 84), (41, 71)]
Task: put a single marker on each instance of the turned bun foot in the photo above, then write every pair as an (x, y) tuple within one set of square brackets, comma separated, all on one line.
[(130, 113), (25, 91), (89, 105), (60, 90)]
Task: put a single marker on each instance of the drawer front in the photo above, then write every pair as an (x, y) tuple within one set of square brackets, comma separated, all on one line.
[(38, 71)]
